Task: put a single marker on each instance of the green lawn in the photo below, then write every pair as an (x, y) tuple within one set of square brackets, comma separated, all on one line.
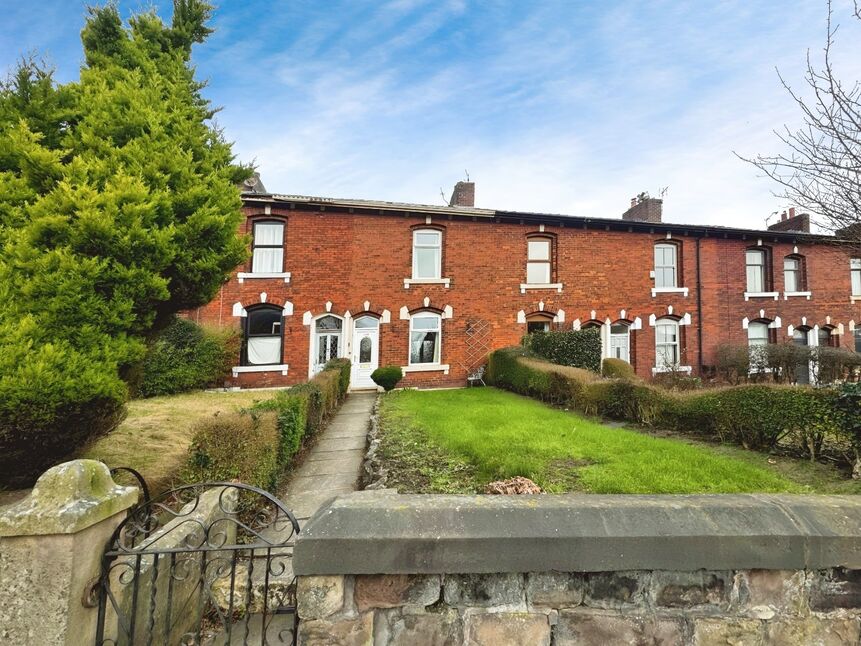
[(458, 440)]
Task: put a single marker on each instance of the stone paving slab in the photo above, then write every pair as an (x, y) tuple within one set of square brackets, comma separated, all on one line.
[(333, 465)]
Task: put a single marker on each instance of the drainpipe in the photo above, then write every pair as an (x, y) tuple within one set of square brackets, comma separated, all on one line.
[(699, 314)]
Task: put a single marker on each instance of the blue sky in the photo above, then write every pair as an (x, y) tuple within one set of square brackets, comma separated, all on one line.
[(556, 106)]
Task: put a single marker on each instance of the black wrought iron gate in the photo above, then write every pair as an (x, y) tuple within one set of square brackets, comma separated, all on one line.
[(201, 564)]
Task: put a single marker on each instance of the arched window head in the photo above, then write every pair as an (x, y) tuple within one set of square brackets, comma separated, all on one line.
[(427, 254), (666, 265), (538, 323), (329, 322), (425, 338), (263, 339), (366, 323)]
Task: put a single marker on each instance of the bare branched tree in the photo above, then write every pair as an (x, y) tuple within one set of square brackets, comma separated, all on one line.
[(820, 171)]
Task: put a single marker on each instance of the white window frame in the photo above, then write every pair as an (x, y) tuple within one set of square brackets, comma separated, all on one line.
[(855, 279), (674, 266), (437, 348), (548, 261), (659, 365), (750, 289), (313, 346), (272, 365), (437, 259), (797, 273)]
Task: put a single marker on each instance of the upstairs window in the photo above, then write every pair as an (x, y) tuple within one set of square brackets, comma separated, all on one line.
[(267, 247), (425, 339), (666, 344), (855, 271), (666, 264), (539, 261), (793, 275), (755, 260), (263, 336), (427, 254)]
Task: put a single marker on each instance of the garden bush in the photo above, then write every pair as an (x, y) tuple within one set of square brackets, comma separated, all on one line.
[(387, 377), (756, 416), (186, 356), (578, 348), (235, 446), (617, 369)]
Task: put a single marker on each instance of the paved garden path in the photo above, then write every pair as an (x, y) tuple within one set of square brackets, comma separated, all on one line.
[(333, 465)]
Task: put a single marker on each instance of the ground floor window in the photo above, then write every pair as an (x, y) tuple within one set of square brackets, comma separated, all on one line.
[(620, 341), (858, 339), (425, 338), (263, 338), (666, 344)]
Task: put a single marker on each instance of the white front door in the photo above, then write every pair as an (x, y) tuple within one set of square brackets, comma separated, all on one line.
[(366, 351)]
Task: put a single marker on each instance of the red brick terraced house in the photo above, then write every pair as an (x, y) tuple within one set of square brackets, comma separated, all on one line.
[(434, 288)]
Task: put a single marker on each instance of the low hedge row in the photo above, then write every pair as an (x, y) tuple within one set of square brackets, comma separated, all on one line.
[(577, 348), (254, 445), (756, 416)]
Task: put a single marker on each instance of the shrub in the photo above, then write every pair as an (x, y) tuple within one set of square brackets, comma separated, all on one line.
[(235, 446), (784, 359), (186, 356), (835, 364), (53, 400), (387, 377), (732, 363), (617, 369), (578, 348), (343, 367)]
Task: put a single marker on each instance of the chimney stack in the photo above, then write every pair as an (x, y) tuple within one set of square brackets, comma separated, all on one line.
[(463, 194), (792, 222), (645, 209)]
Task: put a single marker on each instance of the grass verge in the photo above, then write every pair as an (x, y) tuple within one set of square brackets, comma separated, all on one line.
[(456, 441), (155, 436)]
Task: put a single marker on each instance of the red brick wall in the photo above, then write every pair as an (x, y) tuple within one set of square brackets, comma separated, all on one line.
[(347, 259)]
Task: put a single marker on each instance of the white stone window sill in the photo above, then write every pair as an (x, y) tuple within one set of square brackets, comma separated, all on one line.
[(669, 290), (788, 295), (426, 281), (525, 286), (242, 275), (855, 298), (278, 367), (686, 369), (749, 295), (427, 367)]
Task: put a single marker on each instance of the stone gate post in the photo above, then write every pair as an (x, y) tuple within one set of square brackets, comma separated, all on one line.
[(51, 545)]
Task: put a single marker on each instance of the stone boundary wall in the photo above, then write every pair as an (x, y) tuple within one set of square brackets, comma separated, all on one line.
[(385, 569)]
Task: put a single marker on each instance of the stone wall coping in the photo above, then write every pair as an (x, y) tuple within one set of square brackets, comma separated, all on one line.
[(66, 499), (382, 532)]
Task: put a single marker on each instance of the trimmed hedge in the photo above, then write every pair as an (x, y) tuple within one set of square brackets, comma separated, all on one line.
[(186, 356), (295, 414), (756, 416), (235, 446), (617, 369), (578, 348), (387, 377)]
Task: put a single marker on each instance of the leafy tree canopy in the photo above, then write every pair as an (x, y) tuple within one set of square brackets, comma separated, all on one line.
[(118, 199)]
